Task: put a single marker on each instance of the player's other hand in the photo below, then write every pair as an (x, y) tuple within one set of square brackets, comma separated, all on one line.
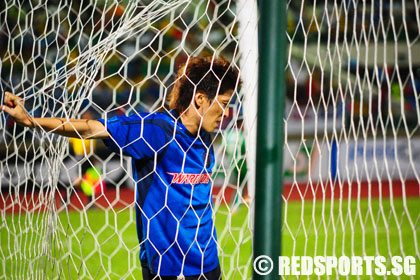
[(13, 105)]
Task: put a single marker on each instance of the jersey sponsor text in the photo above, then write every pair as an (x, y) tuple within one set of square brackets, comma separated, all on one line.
[(185, 178)]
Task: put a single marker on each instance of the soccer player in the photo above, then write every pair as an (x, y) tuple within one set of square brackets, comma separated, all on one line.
[(172, 162)]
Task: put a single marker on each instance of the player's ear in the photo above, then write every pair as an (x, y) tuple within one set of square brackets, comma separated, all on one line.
[(199, 99)]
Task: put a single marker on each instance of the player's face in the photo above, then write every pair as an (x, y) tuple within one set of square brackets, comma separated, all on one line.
[(214, 111)]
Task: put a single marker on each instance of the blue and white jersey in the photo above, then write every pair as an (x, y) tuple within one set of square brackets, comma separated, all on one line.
[(174, 203)]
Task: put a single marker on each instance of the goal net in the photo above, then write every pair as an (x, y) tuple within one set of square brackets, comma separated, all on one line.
[(352, 185), (68, 205), (351, 150)]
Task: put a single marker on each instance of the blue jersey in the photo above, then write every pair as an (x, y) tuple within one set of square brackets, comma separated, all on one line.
[(172, 169)]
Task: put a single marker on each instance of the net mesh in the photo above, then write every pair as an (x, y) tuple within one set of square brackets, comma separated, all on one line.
[(352, 129), (68, 205), (351, 148)]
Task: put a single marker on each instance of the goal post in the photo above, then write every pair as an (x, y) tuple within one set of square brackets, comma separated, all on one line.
[(271, 96)]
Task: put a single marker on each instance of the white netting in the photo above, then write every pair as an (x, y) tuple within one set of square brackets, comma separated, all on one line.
[(352, 182), (352, 128), (98, 60)]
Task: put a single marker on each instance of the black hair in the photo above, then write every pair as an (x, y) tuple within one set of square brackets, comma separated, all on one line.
[(211, 76)]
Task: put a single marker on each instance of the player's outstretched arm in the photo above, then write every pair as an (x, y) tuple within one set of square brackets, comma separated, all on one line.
[(82, 128)]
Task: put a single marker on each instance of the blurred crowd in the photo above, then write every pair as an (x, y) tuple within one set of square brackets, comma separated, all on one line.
[(343, 20), (389, 95), (138, 72)]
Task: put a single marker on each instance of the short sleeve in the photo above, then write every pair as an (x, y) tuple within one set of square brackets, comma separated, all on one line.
[(136, 136)]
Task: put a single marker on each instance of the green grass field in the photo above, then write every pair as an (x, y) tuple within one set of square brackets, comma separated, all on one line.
[(104, 243)]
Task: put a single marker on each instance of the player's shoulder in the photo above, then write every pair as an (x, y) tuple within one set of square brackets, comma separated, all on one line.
[(163, 118), (154, 120), (136, 118)]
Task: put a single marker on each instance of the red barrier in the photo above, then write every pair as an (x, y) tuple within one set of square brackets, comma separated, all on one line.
[(36, 202)]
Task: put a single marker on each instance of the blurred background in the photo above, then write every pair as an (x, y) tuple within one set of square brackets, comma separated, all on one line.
[(351, 158)]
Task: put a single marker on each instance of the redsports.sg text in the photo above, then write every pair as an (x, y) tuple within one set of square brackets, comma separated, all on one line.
[(320, 265)]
